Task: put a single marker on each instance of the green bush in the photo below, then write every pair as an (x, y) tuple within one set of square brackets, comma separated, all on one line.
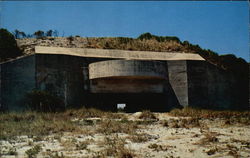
[(8, 45), (33, 151), (124, 40), (145, 36), (39, 34), (232, 63), (43, 101), (148, 36)]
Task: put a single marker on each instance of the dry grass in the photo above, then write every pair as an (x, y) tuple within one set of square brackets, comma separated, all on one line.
[(230, 117), (233, 150), (91, 113), (31, 153), (244, 143), (114, 147), (133, 44), (212, 150), (121, 43), (118, 132), (208, 139), (56, 155), (11, 151), (34, 124), (147, 115), (109, 126), (41, 124), (139, 137), (208, 114), (69, 144), (182, 123), (82, 145), (156, 147)]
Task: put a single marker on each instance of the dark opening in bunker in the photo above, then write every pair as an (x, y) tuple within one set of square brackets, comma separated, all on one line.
[(133, 101)]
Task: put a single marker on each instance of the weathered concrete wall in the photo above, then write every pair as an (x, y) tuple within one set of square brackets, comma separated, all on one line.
[(127, 76), (212, 87), (63, 76), (177, 74), (219, 85), (197, 84), (127, 85), (17, 78), (133, 68)]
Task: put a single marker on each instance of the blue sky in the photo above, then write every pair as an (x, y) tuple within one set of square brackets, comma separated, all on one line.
[(219, 26)]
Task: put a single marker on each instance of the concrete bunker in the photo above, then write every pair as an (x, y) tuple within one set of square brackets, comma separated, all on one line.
[(157, 81)]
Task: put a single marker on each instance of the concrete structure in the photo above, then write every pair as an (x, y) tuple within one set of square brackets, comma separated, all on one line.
[(157, 81)]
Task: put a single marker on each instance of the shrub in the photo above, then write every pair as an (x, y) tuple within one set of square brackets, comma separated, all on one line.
[(111, 126), (39, 34), (147, 115), (148, 36), (124, 40), (70, 38), (115, 147), (182, 123), (49, 33), (239, 116), (208, 139), (8, 45), (85, 112), (145, 36), (43, 101), (92, 113), (172, 123), (234, 64), (156, 147), (139, 138), (212, 151), (82, 145), (35, 124), (12, 151), (33, 151)]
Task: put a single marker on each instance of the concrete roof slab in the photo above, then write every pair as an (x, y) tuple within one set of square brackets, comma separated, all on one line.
[(117, 54)]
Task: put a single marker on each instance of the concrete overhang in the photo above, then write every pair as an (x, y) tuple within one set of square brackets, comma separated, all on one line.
[(128, 69), (117, 54)]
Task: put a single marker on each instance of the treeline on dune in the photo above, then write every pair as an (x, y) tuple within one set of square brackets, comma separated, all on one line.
[(145, 42)]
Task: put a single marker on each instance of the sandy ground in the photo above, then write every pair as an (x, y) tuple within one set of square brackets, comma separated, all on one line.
[(213, 138)]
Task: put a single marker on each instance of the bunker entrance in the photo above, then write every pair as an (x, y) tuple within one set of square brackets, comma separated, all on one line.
[(132, 102)]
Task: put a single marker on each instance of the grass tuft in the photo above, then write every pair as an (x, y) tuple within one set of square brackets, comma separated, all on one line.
[(112, 126), (31, 153), (115, 147), (230, 117), (182, 123), (204, 113), (147, 115)]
